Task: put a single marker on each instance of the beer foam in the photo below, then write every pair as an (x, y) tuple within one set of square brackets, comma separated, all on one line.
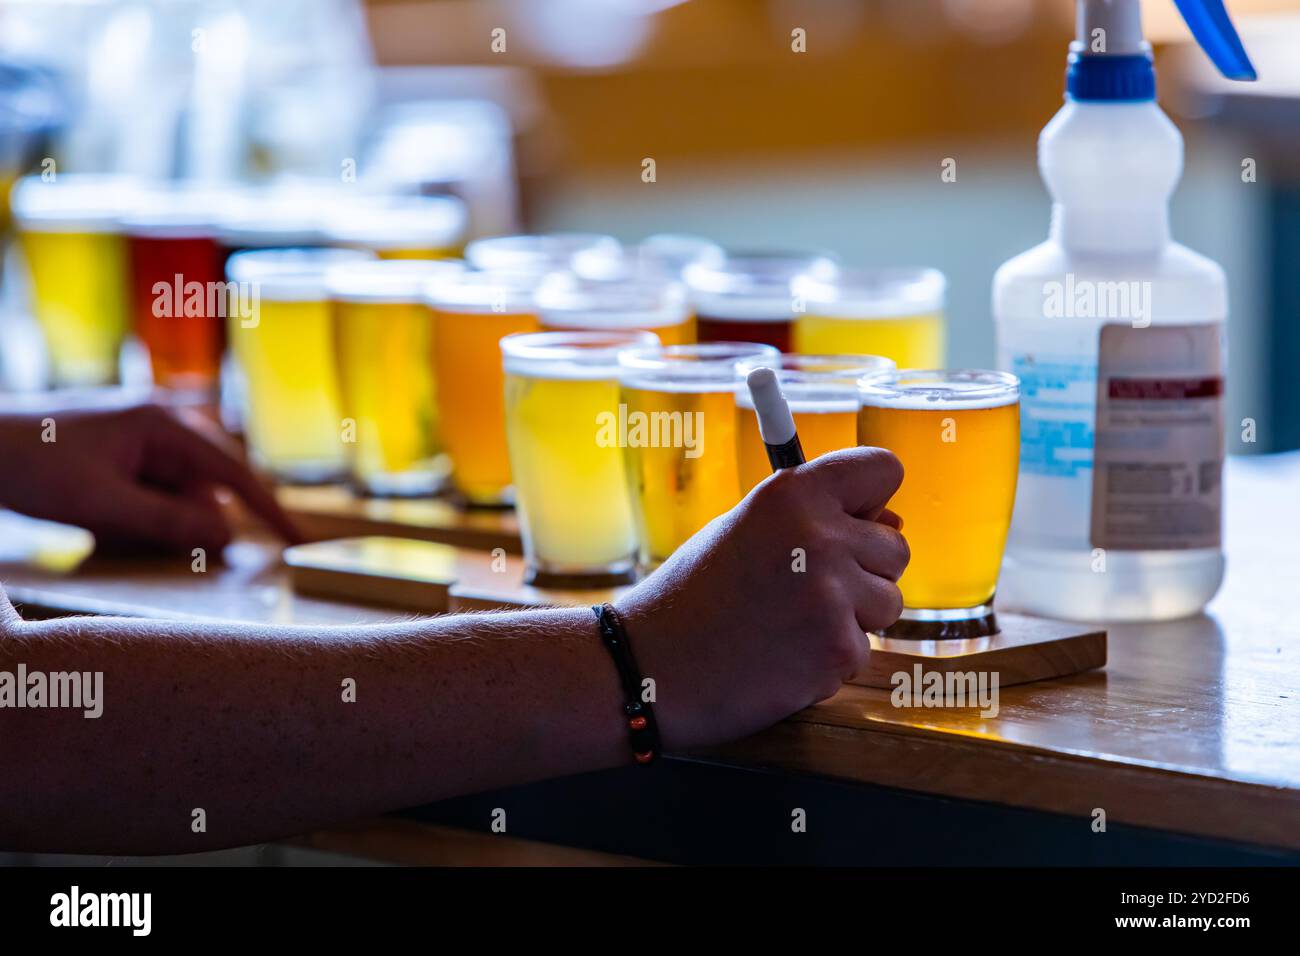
[(480, 292), (561, 370), (662, 256), (751, 288), (181, 210), (926, 398), (675, 387), (290, 275), (706, 367), (566, 301), (388, 280), (409, 222), (872, 293), (73, 202), (276, 216), (534, 253), (573, 356)]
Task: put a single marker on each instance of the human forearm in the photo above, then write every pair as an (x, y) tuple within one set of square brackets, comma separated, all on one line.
[(253, 727)]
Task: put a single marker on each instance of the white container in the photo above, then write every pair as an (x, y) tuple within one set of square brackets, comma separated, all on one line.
[(1116, 332)]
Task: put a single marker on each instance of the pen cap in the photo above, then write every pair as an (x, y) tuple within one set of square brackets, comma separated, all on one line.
[(775, 423)]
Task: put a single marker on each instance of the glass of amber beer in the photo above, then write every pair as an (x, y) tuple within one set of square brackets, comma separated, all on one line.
[(677, 421), (383, 348), (281, 333), (957, 434), (749, 297), (566, 303), (472, 313), (177, 283), (822, 391), (562, 397)]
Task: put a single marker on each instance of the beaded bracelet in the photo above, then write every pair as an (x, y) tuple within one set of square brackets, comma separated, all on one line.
[(642, 730)]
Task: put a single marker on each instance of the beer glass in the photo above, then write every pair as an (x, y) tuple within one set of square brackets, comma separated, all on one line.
[(661, 256), (957, 434), (549, 252), (897, 313), (822, 391), (281, 333), (562, 397), (677, 420), (472, 313), (568, 303), (400, 227), (383, 349), (69, 236), (276, 216), (749, 297), (177, 283)]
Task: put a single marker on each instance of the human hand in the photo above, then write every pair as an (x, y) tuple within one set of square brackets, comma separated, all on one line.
[(137, 478), (736, 635)]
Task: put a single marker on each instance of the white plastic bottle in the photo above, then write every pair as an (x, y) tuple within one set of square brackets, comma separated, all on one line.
[(1116, 332)]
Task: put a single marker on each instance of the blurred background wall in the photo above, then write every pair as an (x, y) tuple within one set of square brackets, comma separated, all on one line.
[(757, 142)]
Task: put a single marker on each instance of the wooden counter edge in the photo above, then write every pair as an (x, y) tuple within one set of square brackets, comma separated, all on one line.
[(1074, 785)]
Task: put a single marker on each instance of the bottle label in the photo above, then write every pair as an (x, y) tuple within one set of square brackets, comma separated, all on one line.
[(1158, 457), (1057, 394)]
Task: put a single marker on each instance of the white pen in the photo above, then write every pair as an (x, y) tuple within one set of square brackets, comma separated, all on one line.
[(775, 423)]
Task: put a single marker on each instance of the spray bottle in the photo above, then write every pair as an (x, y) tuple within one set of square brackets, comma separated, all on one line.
[(1117, 333)]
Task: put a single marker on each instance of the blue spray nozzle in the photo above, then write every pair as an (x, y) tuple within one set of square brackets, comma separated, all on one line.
[(1110, 60), (1209, 23)]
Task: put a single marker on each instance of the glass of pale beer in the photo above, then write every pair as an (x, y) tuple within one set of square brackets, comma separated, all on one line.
[(562, 398), (957, 434), (383, 349), (897, 313), (677, 420), (69, 234), (472, 313), (567, 303), (822, 392), (281, 332)]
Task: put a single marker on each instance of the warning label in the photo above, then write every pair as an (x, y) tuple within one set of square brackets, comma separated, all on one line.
[(1159, 438)]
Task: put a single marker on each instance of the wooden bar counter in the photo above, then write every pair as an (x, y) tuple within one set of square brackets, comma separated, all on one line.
[(1184, 749)]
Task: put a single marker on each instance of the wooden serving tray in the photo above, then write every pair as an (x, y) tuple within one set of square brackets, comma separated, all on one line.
[(334, 511), (423, 576), (1026, 649), (438, 578)]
